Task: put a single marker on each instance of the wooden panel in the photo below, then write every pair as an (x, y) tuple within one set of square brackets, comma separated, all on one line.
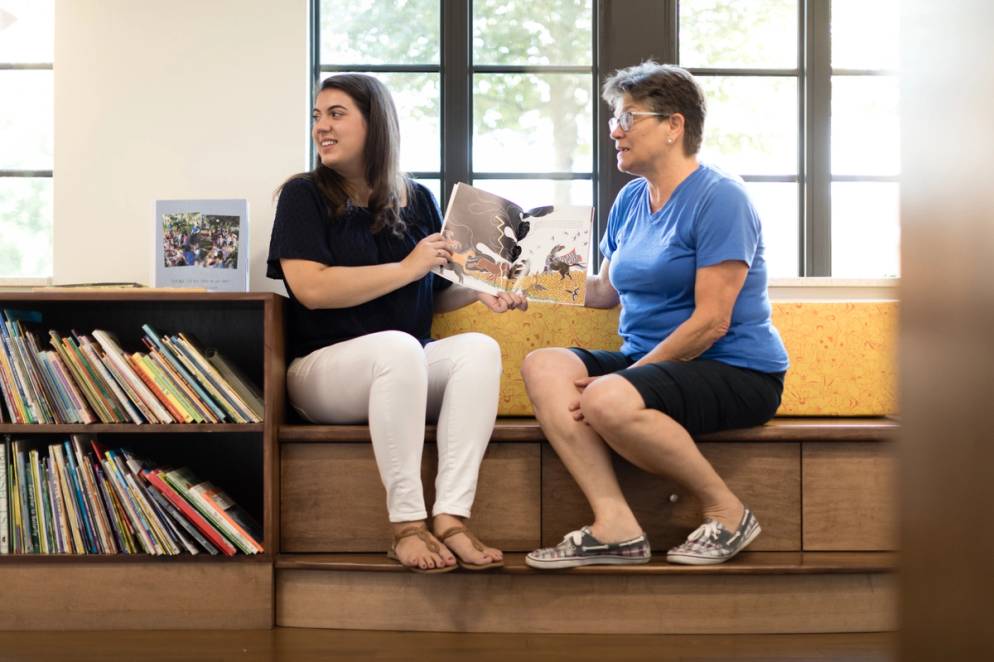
[(527, 429), (333, 500), (765, 476), (156, 595), (619, 604), (746, 563), (850, 501)]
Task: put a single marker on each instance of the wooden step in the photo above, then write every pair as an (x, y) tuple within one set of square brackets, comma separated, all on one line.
[(746, 563), (758, 592)]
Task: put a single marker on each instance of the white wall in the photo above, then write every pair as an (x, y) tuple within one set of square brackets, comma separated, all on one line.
[(178, 99)]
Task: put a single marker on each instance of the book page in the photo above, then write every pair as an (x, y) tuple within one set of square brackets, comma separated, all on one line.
[(482, 226), (501, 247), (554, 257)]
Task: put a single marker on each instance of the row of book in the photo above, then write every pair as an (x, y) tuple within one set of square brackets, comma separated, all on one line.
[(88, 378), (75, 497)]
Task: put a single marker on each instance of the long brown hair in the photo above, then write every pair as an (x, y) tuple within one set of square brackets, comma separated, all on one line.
[(381, 154)]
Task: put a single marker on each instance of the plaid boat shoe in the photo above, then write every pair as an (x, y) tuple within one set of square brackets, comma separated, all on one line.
[(582, 548), (712, 543)]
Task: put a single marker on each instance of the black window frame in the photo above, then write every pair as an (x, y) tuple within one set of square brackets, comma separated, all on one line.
[(626, 32)]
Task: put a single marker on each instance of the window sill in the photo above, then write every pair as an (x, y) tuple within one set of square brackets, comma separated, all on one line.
[(833, 289)]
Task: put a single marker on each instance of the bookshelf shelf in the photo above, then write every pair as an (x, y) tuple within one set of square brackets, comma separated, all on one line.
[(128, 428), (43, 559), (163, 591)]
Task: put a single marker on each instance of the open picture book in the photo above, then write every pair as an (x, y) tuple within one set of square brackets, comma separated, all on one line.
[(541, 252)]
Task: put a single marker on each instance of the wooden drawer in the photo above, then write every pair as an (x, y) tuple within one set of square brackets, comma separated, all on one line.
[(766, 476), (333, 501), (850, 501)]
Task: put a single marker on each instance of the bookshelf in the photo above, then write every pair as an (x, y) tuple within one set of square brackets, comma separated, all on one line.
[(142, 591)]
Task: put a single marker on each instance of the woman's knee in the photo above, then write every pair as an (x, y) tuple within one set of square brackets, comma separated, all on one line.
[(396, 350), (610, 403), (550, 362), (478, 346)]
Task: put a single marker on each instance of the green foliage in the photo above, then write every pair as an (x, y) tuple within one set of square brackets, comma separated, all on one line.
[(26, 226)]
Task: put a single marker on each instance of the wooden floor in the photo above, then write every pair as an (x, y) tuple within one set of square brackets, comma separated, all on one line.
[(301, 645)]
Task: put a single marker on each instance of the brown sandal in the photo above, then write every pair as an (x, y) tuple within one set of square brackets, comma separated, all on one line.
[(421, 531), (477, 545)]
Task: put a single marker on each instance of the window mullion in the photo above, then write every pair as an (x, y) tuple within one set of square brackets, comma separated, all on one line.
[(817, 217), (629, 31), (457, 100)]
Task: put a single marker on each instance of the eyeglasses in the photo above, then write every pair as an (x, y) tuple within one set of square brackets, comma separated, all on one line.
[(627, 119)]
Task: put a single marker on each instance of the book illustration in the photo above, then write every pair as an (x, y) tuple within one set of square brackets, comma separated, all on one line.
[(496, 248)]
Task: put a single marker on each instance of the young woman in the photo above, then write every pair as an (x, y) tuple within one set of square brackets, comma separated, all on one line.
[(353, 240)]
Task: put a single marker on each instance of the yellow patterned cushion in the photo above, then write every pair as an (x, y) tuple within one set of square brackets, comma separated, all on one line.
[(842, 354)]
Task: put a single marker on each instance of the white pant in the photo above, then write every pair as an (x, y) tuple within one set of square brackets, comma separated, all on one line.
[(397, 385)]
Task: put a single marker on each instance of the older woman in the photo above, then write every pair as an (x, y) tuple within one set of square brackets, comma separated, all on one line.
[(683, 254)]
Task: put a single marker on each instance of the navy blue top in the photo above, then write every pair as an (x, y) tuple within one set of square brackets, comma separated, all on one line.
[(655, 256), (303, 230)]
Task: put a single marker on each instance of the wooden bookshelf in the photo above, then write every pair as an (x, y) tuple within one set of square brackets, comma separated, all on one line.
[(142, 591)]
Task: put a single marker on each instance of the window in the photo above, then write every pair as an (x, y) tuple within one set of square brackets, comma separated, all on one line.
[(518, 80), (26, 54), (865, 139), (802, 98)]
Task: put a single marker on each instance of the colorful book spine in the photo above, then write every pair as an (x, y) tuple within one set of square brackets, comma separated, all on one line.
[(155, 477), (206, 382), (21, 404), (78, 401), (187, 399), (58, 512), (144, 414), (142, 534), (4, 502), (78, 374), (215, 365), (113, 352), (122, 527), (96, 381), (75, 520), (183, 376), (38, 497), (149, 373), (105, 536), (88, 528), (119, 396), (34, 385), (184, 482)]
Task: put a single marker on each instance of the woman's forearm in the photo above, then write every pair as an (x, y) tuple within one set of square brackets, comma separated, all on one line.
[(688, 341), (322, 286), (600, 292), (454, 297)]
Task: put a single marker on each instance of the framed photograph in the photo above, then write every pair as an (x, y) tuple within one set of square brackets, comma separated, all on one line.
[(202, 243)]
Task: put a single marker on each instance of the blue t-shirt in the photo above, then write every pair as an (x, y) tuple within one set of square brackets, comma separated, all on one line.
[(303, 230), (655, 257)]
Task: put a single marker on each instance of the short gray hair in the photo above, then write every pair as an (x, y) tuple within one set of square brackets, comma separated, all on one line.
[(664, 88)]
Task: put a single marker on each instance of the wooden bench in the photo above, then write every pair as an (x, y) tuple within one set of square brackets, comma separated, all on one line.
[(820, 486)]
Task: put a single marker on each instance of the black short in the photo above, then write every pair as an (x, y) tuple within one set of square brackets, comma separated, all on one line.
[(701, 395)]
